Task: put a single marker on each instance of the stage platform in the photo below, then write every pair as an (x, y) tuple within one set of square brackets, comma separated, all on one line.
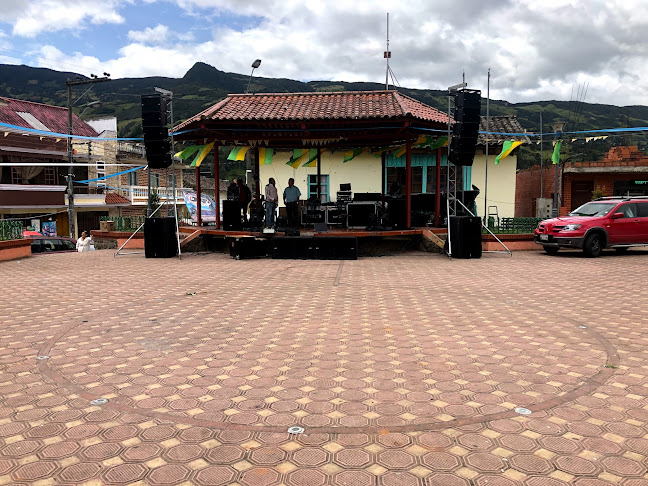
[(308, 231)]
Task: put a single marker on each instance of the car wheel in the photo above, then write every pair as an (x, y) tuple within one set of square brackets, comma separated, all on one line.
[(551, 250), (593, 245), (621, 249)]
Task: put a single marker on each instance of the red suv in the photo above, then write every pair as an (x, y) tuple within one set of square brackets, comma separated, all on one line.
[(614, 222)]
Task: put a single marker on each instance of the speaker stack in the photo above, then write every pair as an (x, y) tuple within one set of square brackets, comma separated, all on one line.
[(466, 127), (156, 132), (466, 237), (160, 238)]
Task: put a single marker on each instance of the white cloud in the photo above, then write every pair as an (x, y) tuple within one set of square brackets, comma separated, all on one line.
[(155, 35), (32, 17), (160, 34), (535, 50)]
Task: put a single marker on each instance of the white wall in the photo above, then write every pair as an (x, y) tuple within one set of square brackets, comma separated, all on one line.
[(501, 182), (363, 172)]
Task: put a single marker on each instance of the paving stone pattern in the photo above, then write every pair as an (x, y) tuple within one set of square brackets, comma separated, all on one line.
[(402, 370)]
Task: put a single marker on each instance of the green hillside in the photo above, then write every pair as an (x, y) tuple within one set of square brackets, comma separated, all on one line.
[(204, 85)]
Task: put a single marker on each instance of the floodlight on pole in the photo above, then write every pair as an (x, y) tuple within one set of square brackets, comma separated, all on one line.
[(255, 65)]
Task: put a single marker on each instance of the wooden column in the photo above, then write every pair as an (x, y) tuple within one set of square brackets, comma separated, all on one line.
[(217, 186), (257, 182), (319, 175), (408, 183), (437, 190), (198, 199), (383, 177)]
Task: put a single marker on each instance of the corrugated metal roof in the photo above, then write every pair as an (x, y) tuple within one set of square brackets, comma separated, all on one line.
[(52, 117)]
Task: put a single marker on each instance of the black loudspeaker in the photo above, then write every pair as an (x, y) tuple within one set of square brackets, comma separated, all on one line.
[(465, 237), (466, 127), (249, 247), (156, 132), (335, 248), (397, 212), (231, 215), (360, 214), (292, 247), (160, 238)]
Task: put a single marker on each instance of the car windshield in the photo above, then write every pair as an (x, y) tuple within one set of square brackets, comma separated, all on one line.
[(593, 209)]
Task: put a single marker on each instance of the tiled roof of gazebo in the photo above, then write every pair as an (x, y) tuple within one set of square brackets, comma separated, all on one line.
[(335, 106)]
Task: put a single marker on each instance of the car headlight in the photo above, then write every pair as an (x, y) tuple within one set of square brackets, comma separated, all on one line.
[(571, 227)]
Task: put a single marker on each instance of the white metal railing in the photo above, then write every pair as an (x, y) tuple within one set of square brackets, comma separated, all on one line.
[(139, 194), (131, 148)]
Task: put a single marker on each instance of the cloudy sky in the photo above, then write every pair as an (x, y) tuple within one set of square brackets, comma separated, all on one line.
[(536, 50)]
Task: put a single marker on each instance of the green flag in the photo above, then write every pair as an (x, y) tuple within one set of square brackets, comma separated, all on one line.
[(351, 154), (507, 148), (189, 151), (555, 158), (312, 158), (439, 142)]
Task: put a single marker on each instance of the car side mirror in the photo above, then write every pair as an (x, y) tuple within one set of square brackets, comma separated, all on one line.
[(618, 215)]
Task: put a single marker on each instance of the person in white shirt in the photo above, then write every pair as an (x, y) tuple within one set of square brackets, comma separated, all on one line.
[(84, 241), (271, 200)]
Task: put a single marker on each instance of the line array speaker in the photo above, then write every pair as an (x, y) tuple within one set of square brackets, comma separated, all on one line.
[(156, 132), (466, 127)]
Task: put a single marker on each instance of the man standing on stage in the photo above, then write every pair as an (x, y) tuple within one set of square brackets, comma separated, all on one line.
[(271, 200), (291, 197)]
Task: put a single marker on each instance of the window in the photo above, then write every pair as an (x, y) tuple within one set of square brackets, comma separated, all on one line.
[(172, 180), (131, 178), (643, 210), (50, 176), (155, 180), (101, 172), (16, 175), (312, 187)]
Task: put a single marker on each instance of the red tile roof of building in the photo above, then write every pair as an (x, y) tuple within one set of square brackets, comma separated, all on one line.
[(112, 198), (338, 106), (52, 117)]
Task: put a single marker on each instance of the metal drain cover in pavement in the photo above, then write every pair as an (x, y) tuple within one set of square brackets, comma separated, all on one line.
[(296, 430)]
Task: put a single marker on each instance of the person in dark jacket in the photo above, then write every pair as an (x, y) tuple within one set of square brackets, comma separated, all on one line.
[(245, 196)]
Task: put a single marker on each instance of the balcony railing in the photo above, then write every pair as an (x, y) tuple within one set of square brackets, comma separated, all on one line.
[(131, 148), (139, 194)]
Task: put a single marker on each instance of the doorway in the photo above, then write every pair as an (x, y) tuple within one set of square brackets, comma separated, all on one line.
[(581, 192)]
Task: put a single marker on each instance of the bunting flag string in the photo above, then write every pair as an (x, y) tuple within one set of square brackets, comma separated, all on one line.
[(188, 152), (265, 156), (238, 153), (201, 156), (312, 158), (351, 154), (507, 148), (298, 156)]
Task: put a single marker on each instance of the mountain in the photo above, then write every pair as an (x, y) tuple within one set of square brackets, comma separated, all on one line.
[(203, 85)]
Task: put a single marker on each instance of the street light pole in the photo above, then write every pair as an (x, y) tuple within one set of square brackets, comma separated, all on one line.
[(557, 127), (70, 152)]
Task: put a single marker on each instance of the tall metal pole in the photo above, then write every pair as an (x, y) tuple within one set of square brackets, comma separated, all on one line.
[(72, 228), (70, 152), (387, 54), (487, 141), (541, 161)]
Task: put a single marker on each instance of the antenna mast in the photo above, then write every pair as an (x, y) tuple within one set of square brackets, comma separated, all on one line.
[(387, 55)]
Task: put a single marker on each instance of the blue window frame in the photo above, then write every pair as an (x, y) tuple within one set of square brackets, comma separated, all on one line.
[(312, 186)]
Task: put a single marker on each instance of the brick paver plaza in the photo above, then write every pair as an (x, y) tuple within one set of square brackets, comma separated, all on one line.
[(402, 370)]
